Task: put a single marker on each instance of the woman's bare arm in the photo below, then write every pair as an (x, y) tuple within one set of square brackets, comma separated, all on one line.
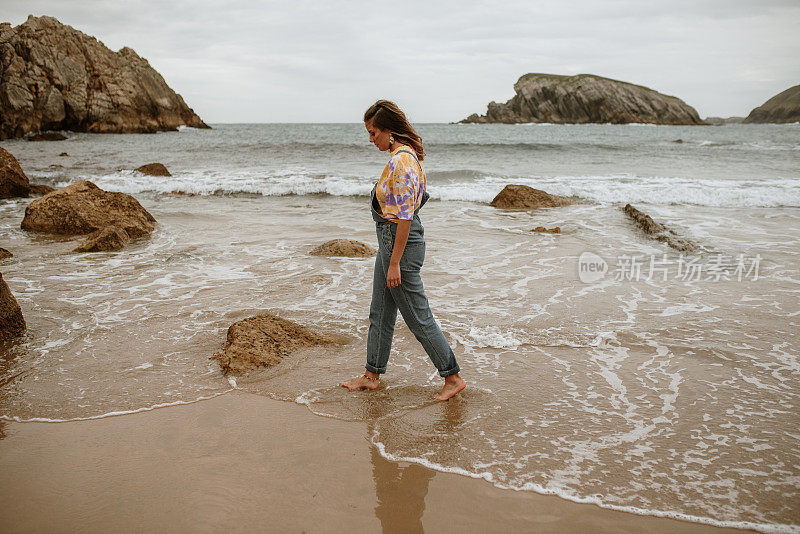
[(401, 237)]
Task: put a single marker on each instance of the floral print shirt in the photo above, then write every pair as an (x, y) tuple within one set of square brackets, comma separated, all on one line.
[(400, 187)]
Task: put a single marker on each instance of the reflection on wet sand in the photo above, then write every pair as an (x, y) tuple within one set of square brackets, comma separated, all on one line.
[(401, 491)]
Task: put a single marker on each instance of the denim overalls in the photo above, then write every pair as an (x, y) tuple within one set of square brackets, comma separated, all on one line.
[(409, 296)]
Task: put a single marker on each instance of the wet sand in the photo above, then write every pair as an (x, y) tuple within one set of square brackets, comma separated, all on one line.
[(242, 462)]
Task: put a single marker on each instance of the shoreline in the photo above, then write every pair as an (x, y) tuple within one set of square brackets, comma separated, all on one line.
[(225, 462)]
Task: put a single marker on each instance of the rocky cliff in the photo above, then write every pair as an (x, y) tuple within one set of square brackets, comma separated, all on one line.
[(783, 107), (54, 77), (586, 98)]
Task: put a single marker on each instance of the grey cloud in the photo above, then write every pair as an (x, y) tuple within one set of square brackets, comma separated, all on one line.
[(318, 61)]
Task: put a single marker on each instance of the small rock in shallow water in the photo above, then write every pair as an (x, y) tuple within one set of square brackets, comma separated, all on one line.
[(344, 247), (264, 340), (12, 323), (154, 169), (658, 231), (543, 230), (522, 196), (5, 254)]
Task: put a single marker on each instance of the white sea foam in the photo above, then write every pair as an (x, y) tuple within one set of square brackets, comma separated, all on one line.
[(617, 363), (773, 192), (769, 528), (109, 414)]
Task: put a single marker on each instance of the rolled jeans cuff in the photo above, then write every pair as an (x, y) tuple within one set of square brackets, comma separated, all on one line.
[(373, 369), (450, 371)]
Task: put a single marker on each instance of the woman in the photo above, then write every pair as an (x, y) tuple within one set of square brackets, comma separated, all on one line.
[(395, 202)]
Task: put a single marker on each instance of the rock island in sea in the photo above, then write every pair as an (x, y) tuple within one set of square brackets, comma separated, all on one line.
[(585, 98)]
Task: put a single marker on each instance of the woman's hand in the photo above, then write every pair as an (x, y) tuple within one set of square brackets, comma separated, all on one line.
[(401, 236), (393, 275)]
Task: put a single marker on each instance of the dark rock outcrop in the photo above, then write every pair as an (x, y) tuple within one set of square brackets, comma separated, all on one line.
[(47, 136), (83, 208), (5, 254), (658, 231), (722, 121), (522, 196), (264, 340), (13, 182), (781, 108), (154, 169), (108, 239), (12, 323), (586, 98), (344, 247), (54, 77)]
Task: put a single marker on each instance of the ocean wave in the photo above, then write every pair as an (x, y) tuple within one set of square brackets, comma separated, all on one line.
[(471, 186), (570, 146), (739, 145)]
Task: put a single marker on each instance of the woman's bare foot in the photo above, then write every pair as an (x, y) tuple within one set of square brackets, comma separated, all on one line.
[(362, 382), (452, 385)]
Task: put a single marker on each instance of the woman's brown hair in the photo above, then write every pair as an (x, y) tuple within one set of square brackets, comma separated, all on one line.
[(387, 116)]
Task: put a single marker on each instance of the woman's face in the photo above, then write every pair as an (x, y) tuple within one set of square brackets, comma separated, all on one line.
[(378, 137)]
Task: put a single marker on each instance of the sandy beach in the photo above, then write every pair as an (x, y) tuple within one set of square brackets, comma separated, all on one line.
[(242, 463), (601, 278), (650, 393)]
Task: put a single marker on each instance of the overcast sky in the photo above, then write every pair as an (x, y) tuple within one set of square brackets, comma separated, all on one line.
[(323, 61)]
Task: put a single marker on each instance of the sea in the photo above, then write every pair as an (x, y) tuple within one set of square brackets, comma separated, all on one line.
[(602, 365)]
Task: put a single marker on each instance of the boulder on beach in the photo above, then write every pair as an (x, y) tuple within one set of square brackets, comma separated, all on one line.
[(12, 323), (47, 136), (658, 231), (82, 208), (64, 154), (264, 340), (55, 77), (13, 182), (585, 98), (110, 238), (543, 230), (5, 254), (154, 169), (522, 196), (344, 247), (781, 108)]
